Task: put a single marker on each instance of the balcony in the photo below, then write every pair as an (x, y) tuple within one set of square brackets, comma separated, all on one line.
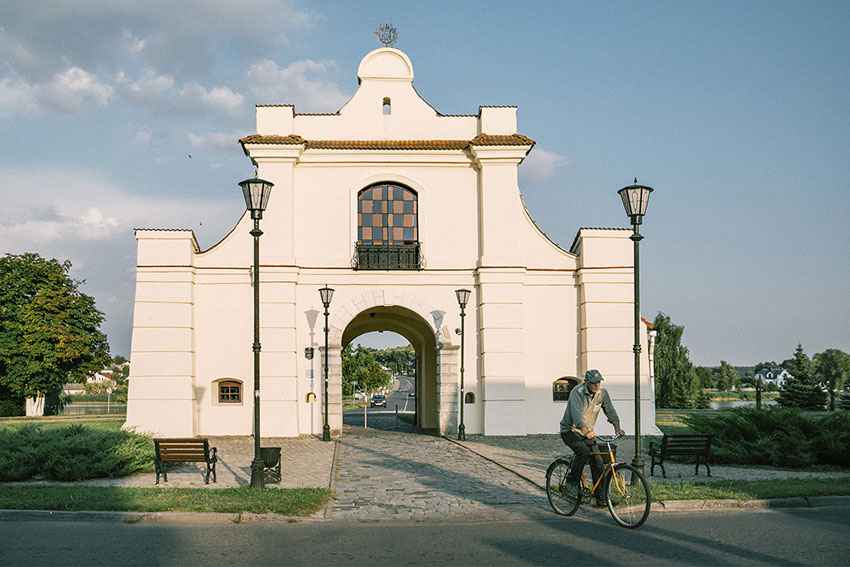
[(388, 257)]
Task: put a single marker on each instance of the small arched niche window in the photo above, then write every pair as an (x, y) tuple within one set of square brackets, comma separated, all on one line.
[(562, 387), (387, 106), (229, 391)]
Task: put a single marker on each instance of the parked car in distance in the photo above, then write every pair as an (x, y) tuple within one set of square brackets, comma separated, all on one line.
[(378, 400), (358, 395)]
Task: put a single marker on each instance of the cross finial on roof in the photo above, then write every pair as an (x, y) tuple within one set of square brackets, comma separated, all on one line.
[(387, 35)]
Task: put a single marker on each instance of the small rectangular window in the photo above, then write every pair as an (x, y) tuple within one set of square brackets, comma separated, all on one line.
[(229, 392)]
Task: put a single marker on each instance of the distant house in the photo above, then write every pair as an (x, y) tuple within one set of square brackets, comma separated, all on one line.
[(101, 377), (776, 376), (72, 389)]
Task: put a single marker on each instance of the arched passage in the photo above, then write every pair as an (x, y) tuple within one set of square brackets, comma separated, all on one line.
[(421, 337)]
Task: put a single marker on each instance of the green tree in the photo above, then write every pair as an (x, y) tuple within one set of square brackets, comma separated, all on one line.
[(803, 390), (832, 367), (704, 377), (398, 359), (676, 381), (361, 365), (728, 377), (49, 330), (372, 377)]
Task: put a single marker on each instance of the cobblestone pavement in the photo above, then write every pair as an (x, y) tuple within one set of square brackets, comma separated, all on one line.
[(388, 475)]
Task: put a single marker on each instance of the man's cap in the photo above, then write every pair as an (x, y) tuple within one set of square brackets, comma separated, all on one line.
[(593, 376)]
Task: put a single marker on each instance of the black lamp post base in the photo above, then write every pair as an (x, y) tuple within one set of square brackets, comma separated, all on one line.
[(326, 432), (461, 432), (257, 467), (638, 463)]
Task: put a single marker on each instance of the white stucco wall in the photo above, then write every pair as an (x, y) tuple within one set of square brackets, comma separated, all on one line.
[(537, 312)]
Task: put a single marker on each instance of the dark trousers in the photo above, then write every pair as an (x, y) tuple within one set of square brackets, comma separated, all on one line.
[(582, 448)]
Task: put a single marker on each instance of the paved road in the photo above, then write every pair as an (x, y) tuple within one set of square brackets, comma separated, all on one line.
[(816, 536)]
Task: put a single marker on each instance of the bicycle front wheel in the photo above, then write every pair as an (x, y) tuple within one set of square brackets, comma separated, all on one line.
[(564, 497), (627, 496)]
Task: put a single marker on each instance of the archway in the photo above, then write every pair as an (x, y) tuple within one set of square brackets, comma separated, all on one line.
[(422, 338)]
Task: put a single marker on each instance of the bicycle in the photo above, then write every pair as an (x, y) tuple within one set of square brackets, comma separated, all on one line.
[(626, 492)]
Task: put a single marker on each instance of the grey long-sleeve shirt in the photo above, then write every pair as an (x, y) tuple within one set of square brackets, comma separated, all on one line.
[(583, 409)]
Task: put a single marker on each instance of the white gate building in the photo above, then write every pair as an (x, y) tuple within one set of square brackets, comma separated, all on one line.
[(394, 206)]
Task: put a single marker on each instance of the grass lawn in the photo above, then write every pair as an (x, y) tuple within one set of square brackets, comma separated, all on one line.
[(289, 502), (738, 395), (111, 422), (751, 489)]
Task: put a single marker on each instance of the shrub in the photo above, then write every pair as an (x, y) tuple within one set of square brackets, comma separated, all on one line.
[(12, 408), (72, 453), (833, 444), (776, 436)]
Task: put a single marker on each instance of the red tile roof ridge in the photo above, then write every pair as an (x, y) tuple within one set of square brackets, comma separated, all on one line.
[(480, 140)]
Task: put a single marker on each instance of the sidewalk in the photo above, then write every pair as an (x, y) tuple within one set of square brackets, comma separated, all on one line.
[(381, 475), (306, 462)]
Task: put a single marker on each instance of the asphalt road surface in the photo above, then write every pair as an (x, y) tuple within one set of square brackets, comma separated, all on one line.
[(806, 536), (385, 418)]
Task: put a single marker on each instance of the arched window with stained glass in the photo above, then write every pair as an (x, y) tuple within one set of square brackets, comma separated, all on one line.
[(387, 214), (387, 228)]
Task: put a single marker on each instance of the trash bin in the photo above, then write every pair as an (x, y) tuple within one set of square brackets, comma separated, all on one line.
[(271, 461)]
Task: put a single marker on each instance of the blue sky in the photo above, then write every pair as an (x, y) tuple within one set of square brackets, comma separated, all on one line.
[(735, 112)]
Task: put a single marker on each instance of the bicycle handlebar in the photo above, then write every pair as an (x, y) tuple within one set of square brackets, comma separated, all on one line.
[(608, 439)]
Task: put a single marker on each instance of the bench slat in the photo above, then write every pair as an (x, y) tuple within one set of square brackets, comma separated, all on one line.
[(697, 445), (184, 449)]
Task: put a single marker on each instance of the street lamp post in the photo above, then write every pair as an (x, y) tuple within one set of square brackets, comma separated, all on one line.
[(256, 192), (462, 298), (326, 294), (635, 198)]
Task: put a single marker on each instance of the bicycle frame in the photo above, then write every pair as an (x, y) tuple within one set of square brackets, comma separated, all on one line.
[(607, 468)]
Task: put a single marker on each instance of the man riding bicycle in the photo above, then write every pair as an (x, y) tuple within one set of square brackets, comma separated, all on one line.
[(577, 425)]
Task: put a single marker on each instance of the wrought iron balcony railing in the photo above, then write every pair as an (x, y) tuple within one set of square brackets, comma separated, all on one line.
[(388, 257)]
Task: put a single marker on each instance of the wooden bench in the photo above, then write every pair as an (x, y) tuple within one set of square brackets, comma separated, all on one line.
[(684, 445), (184, 450)]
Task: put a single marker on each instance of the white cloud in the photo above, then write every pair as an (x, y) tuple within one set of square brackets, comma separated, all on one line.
[(148, 87), (143, 136), (540, 165), (133, 44), (16, 97), (307, 84), (72, 89), (177, 38), (64, 212), (216, 100)]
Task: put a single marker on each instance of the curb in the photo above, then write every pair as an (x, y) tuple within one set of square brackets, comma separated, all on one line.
[(151, 517), (251, 518)]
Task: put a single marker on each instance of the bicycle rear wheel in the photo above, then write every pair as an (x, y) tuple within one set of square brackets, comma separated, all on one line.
[(564, 496), (627, 495)]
